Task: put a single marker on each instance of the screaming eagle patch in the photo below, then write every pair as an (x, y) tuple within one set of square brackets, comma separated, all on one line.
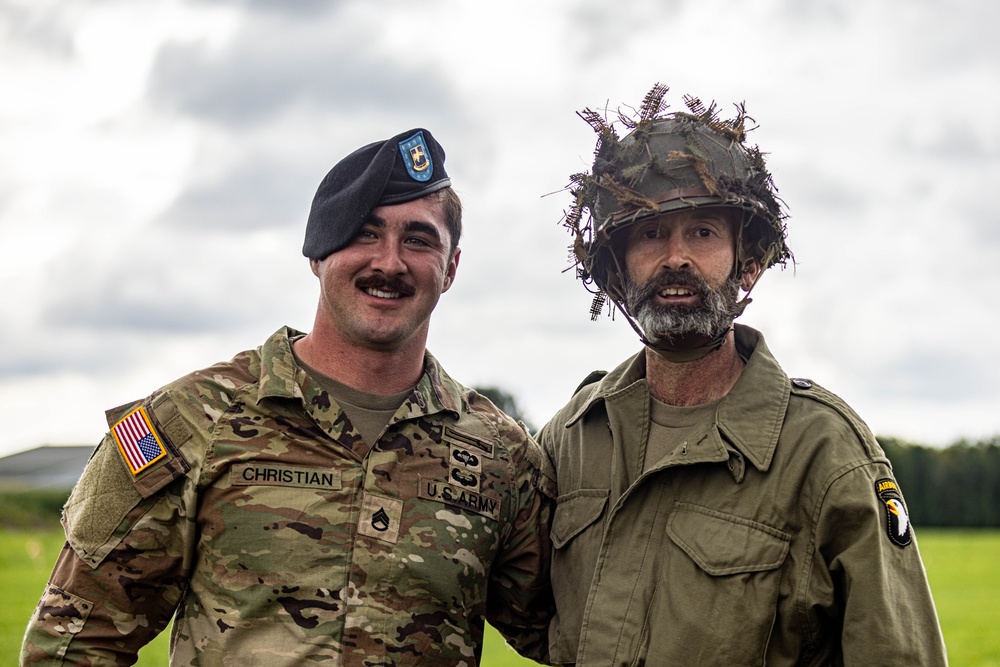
[(895, 511)]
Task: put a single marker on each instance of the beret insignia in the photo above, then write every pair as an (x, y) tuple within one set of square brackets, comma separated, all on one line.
[(417, 157)]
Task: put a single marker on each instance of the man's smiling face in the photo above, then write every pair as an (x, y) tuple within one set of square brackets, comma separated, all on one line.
[(378, 292), (679, 269)]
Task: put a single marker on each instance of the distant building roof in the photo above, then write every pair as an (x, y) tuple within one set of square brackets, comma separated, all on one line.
[(47, 467)]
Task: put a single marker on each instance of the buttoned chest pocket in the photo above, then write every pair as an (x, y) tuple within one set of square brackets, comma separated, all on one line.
[(718, 594), (577, 532)]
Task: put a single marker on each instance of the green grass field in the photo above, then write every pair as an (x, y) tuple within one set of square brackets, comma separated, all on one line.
[(961, 566)]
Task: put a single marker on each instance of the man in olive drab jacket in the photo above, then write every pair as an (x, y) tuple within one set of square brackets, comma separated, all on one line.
[(712, 511), (328, 498)]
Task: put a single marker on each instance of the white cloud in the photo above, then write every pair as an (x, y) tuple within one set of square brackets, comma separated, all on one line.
[(157, 165)]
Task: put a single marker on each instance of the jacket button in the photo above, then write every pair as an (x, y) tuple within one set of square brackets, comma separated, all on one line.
[(802, 384)]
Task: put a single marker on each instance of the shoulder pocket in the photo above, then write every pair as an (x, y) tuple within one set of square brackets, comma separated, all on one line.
[(153, 461), (113, 493), (576, 511), (724, 544), (99, 501)]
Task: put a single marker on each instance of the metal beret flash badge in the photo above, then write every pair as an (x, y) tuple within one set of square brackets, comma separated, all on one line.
[(417, 157)]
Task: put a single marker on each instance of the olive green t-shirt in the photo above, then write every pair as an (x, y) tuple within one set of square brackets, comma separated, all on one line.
[(368, 413), (671, 426)]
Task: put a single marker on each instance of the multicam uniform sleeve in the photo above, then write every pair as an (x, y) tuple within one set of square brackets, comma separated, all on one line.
[(519, 602), (867, 569), (121, 574)]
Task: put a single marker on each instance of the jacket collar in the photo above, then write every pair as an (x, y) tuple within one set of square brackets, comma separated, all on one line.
[(282, 377), (749, 418)]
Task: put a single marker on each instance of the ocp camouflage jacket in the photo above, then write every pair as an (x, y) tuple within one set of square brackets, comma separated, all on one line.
[(280, 538)]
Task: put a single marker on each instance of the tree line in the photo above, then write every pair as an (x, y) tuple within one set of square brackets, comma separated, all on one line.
[(954, 486)]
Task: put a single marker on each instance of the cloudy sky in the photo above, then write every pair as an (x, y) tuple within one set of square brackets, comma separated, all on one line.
[(158, 159)]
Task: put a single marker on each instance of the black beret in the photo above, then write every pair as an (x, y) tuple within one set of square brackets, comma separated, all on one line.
[(408, 166)]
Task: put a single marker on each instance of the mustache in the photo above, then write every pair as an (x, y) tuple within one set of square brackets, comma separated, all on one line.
[(713, 311), (385, 284), (670, 278)]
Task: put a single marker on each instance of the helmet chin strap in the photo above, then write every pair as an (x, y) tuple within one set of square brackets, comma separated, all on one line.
[(693, 354)]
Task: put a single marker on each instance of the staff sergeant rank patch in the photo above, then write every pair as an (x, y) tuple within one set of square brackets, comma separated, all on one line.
[(380, 517), (898, 518), (138, 442)]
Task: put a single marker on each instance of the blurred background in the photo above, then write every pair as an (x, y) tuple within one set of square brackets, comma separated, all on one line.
[(157, 164), (158, 161)]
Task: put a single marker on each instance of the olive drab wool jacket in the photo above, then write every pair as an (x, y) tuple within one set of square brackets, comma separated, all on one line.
[(777, 536)]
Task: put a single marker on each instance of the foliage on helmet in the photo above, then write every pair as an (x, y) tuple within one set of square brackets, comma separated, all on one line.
[(615, 193)]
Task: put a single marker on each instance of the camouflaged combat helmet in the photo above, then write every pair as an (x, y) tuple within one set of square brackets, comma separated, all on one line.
[(669, 161)]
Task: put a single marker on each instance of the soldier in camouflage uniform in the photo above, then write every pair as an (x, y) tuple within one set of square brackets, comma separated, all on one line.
[(331, 498), (710, 510)]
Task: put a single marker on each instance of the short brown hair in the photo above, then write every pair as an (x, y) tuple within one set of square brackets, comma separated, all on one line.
[(451, 206)]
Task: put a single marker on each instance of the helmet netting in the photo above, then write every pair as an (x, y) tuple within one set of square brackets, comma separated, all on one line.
[(621, 164)]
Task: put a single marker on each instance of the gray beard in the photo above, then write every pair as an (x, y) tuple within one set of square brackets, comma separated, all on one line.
[(708, 318)]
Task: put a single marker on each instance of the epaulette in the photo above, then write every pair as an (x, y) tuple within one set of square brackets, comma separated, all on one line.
[(809, 389)]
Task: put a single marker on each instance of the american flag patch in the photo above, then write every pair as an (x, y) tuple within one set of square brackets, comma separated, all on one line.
[(137, 441)]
